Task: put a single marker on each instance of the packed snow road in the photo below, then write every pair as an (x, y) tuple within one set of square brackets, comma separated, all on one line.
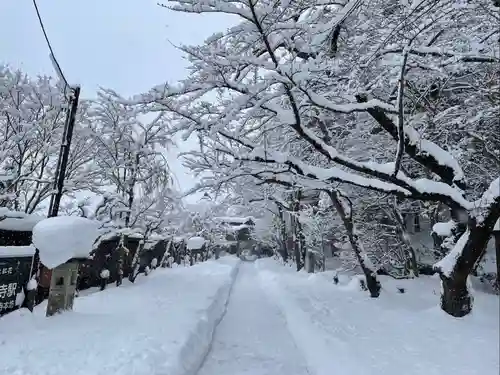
[(252, 337)]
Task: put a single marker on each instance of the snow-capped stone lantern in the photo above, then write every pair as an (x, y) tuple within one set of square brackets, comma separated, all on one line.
[(64, 242)]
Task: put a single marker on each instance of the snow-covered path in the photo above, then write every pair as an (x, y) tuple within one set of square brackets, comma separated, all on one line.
[(252, 337)]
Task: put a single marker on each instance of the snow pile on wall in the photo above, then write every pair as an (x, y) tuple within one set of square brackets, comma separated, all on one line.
[(16, 251), (62, 238), (195, 243), (161, 324), (17, 221)]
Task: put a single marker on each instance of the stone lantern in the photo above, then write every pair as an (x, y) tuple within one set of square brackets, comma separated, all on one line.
[(63, 287), (64, 242)]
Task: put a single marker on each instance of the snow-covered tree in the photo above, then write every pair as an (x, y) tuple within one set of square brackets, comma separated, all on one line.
[(306, 71), (131, 159), (32, 117)]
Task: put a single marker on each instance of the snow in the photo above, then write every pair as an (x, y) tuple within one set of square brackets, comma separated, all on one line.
[(443, 157), (62, 238), (235, 228), (104, 274), (341, 330), (489, 197), (497, 226), (161, 324), (447, 264), (252, 338), (17, 221), (225, 317), (444, 229), (32, 284), (195, 243), (16, 251), (20, 298)]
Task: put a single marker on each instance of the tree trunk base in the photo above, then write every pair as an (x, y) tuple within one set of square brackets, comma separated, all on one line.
[(373, 286), (455, 297)]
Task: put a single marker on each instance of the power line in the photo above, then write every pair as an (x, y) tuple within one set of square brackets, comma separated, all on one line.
[(52, 55)]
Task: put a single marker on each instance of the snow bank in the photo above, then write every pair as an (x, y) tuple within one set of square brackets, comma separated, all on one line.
[(161, 324), (62, 238), (17, 221), (195, 243), (341, 330), (16, 251)]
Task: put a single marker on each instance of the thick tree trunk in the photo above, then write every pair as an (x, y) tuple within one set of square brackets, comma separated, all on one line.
[(455, 297), (372, 282)]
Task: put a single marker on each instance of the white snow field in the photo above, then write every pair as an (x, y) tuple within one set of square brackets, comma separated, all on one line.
[(252, 338), (161, 325), (341, 330), (260, 318)]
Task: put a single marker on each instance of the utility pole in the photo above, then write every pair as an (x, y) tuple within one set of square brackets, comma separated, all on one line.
[(61, 297), (62, 161)]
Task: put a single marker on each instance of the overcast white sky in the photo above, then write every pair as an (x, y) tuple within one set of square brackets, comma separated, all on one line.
[(120, 44)]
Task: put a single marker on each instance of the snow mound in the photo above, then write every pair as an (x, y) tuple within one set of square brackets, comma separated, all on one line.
[(444, 229), (195, 243), (32, 284), (161, 324), (342, 331), (104, 274), (17, 221), (16, 251), (62, 238)]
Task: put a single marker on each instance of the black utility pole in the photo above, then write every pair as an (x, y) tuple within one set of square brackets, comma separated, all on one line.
[(62, 161)]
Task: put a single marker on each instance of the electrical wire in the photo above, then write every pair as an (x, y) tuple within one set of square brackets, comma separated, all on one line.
[(52, 55)]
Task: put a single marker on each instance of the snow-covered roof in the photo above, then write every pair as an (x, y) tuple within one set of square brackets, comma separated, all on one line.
[(17, 221), (16, 251), (62, 238), (497, 226), (158, 237)]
